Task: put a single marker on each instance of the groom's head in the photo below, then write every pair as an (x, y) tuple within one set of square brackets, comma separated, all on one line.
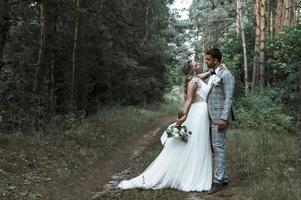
[(213, 58)]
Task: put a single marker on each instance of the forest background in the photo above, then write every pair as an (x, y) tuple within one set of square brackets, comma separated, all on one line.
[(63, 62)]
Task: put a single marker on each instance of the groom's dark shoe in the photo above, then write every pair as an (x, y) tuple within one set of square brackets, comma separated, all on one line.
[(225, 183), (216, 187)]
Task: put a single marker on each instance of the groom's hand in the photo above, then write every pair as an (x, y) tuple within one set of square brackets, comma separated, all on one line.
[(222, 124)]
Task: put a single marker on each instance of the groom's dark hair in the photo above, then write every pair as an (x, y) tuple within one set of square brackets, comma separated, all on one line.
[(215, 54)]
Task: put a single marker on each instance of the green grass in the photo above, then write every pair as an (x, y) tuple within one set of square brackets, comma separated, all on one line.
[(263, 166), (266, 165), (29, 160)]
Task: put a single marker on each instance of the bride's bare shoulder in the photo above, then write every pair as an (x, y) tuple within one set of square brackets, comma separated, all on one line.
[(195, 79)]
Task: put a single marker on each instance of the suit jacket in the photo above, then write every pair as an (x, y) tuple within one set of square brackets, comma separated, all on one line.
[(220, 97)]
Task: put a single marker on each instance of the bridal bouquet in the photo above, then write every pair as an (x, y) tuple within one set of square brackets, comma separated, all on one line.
[(180, 132)]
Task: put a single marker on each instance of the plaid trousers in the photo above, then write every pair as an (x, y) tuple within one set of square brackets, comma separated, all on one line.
[(218, 147)]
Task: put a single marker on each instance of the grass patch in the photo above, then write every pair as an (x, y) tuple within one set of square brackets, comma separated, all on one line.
[(27, 161), (266, 165)]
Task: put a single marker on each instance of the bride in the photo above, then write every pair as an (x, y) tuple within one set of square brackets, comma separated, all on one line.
[(180, 165)]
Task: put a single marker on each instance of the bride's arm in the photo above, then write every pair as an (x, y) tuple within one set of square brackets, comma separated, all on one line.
[(191, 90), (205, 75)]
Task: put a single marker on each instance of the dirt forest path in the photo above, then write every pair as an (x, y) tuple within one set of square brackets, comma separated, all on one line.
[(91, 183), (99, 182)]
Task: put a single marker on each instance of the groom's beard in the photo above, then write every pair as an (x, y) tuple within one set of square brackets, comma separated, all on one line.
[(210, 66), (213, 66), (216, 66)]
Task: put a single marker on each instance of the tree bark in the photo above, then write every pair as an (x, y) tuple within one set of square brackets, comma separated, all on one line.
[(41, 54), (278, 16), (262, 42), (245, 56), (4, 28), (74, 53), (256, 46), (47, 41), (297, 20), (287, 13), (299, 98), (243, 41), (146, 23), (52, 84), (294, 13), (238, 17), (271, 22), (196, 46)]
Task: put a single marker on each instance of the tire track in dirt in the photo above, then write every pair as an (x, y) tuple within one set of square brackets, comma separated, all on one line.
[(95, 181)]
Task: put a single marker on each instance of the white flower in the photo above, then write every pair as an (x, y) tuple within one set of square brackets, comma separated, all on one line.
[(215, 80), (180, 132)]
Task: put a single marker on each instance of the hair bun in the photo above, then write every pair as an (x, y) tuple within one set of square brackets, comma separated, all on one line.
[(187, 68)]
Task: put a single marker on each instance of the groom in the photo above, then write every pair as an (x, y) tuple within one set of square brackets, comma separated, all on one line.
[(220, 99)]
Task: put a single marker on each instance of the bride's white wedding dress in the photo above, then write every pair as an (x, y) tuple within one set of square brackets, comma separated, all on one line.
[(180, 165)]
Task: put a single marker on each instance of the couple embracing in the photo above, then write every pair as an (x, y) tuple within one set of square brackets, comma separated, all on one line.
[(207, 113)]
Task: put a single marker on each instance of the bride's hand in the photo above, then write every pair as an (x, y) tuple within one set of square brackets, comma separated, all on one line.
[(223, 66), (180, 121)]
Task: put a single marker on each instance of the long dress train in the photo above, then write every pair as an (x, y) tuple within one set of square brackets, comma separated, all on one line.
[(180, 165)]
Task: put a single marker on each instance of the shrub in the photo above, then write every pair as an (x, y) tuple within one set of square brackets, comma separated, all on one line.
[(262, 110)]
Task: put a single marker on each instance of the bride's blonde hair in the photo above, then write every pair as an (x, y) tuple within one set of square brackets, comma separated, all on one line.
[(188, 71)]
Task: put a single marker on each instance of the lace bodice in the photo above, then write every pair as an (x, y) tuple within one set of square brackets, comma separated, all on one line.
[(202, 89)]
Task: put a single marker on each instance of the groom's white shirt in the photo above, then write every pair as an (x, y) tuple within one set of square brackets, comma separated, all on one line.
[(211, 77), (216, 70)]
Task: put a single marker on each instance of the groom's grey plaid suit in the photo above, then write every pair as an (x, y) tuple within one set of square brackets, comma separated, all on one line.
[(220, 99)]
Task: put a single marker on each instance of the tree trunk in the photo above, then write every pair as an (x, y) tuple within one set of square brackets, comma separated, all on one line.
[(262, 42), (204, 49), (4, 28), (146, 23), (74, 53), (52, 84), (298, 16), (47, 41), (278, 16), (245, 58), (287, 13), (41, 55), (294, 14), (243, 40), (291, 13), (268, 17), (271, 31), (196, 47), (238, 17), (299, 99), (257, 43)]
